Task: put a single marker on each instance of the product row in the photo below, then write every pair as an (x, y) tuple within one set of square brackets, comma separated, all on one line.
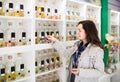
[(43, 29), (13, 68), (11, 9), (71, 31), (47, 60), (46, 9), (51, 77), (14, 33)]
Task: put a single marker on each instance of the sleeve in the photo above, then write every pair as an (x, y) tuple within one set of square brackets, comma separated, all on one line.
[(61, 49), (98, 69)]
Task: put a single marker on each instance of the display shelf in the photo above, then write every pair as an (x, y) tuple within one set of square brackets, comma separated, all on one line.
[(43, 46), (15, 49), (10, 17), (23, 79), (38, 19), (47, 72)]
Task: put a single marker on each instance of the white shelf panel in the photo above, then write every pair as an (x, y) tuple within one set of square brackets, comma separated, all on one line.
[(23, 79), (12, 17), (38, 19), (82, 2), (44, 73), (15, 49), (69, 43), (72, 21), (43, 46)]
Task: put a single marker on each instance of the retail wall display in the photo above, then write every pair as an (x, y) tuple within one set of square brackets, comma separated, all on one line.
[(51, 77), (24, 26), (44, 29), (113, 24), (47, 60), (46, 9), (14, 8), (14, 32), (71, 31), (13, 67)]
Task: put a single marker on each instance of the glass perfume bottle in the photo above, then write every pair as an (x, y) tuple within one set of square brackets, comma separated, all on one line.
[(52, 62), (11, 11), (23, 38), (21, 12), (42, 12), (11, 70), (20, 66), (3, 75), (13, 39), (56, 14), (42, 67), (1, 39), (1, 8), (36, 38), (48, 14)]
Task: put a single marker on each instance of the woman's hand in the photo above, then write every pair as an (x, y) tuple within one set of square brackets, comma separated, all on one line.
[(75, 70), (51, 39)]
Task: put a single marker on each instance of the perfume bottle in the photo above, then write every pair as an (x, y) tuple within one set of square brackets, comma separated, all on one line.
[(36, 38), (47, 63), (11, 11), (42, 39), (11, 70), (36, 12), (21, 12), (37, 61), (23, 38), (1, 39), (42, 67), (52, 62), (13, 39), (42, 12), (48, 14), (56, 14), (7, 13), (3, 75), (20, 66), (1, 8)]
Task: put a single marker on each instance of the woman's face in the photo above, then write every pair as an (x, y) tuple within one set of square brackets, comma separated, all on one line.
[(81, 33)]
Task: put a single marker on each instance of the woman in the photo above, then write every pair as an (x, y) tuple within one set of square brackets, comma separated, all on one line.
[(86, 56)]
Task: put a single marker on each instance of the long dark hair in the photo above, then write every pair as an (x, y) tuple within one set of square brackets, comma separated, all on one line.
[(91, 32)]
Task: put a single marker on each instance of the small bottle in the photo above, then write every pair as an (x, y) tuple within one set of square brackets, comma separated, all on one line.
[(42, 67), (36, 66), (20, 68), (7, 13), (11, 70), (36, 38), (42, 12), (11, 11), (47, 63), (23, 38), (29, 42), (36, 12), (1, 8), (48, 16), (42, 38), (56, 14), (1, 39), (13, 39), (3, 75), (21, 12)]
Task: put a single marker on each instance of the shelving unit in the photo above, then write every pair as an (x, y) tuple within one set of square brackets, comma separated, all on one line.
[(44, 16), (114, 27)]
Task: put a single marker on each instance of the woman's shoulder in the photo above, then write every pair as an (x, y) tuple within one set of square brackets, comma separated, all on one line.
[(96, 48)]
